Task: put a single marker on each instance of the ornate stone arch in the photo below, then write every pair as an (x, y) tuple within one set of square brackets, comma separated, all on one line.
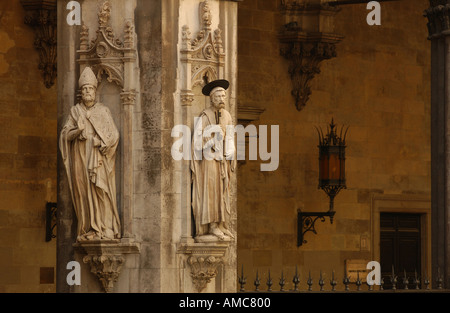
[(202, 58)]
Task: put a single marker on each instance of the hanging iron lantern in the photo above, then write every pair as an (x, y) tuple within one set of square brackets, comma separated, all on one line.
[(332, 162), (331, 177)]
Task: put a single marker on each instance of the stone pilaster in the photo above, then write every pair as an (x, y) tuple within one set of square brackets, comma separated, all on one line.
[(438, 15)]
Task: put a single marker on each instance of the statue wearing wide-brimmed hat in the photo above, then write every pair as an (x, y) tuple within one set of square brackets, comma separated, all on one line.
[(212, 164)]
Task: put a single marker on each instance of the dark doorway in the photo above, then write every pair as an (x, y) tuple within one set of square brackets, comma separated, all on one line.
[(400, 248)]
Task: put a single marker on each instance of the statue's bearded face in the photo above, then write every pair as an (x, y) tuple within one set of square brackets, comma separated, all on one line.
[(88, 94), (218, 99)]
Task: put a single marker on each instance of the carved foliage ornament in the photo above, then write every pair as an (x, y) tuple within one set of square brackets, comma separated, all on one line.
[(438, 15), (204, 54), (106, 53), (203, 269), (295, 5), (128, 97), (41, 17), (305, 58), (106, 268), (305, 44)]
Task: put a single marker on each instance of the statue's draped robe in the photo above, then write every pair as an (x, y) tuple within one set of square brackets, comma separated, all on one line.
[(91, 169), (211, 177)]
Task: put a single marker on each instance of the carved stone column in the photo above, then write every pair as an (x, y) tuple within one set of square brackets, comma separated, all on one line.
[(438, 15), (41, 16), (308, 38)]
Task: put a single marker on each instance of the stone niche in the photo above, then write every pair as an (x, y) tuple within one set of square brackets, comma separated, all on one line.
[(207, 52), (105, 43)]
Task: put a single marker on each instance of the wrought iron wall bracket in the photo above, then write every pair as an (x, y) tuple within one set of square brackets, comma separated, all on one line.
[(50, 221), (306, 222)]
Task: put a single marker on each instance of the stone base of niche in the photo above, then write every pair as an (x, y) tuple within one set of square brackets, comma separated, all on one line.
[(106, 258)]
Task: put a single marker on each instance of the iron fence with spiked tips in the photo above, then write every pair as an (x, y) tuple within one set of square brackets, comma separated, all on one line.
[(408, 284)]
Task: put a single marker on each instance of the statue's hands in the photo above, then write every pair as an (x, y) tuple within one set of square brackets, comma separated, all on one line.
[(97, 141), (221, 135), (81, 123), (103, 150), (81, 127)]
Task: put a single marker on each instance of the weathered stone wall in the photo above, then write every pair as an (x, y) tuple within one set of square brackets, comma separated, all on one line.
[(147, 170), (27, 159), (379, 86)]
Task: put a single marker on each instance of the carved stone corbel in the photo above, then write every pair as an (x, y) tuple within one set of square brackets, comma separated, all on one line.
[(41, 16), (204, 260), (106, 268), (106, 258), (305, 44), (203, 270), (304, 60)]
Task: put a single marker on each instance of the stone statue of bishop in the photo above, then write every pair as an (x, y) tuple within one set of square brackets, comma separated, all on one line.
[(88, 143)]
